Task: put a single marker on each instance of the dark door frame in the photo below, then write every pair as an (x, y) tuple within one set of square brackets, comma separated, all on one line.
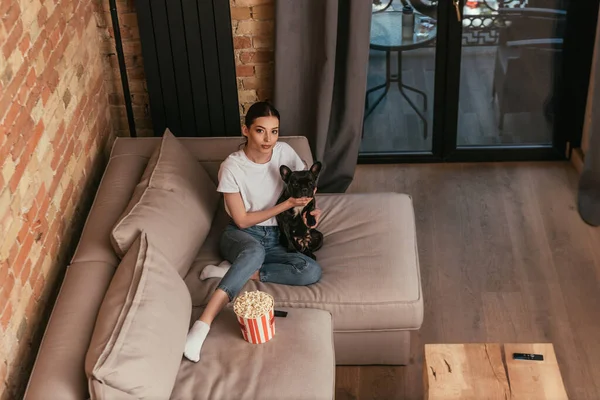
[(572, 95)]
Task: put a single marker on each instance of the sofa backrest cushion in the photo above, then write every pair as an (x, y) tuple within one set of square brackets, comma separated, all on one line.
[(140, 331), (210, 151), (174, 203)]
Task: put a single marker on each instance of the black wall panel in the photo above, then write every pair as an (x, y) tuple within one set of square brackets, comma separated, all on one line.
[(187, 47)]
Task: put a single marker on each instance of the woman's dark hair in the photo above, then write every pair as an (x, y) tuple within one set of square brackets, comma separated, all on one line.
[(260, 109)]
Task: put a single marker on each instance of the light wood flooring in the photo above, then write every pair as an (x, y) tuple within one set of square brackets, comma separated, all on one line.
[(504, 257), (394, 125)]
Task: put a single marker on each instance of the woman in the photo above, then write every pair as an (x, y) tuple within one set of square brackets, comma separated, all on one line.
[(251, 184)]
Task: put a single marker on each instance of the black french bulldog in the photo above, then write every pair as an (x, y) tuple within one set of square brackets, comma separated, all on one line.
[(295, 234)]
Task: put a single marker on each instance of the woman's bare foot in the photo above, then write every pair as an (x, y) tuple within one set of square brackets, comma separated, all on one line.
[(255, 276)]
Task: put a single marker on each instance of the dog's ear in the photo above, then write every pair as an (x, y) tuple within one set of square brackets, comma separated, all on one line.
[(316, 169), (285, 173)]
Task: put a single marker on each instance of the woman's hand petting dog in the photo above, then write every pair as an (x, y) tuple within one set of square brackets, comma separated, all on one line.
[(298, 202)]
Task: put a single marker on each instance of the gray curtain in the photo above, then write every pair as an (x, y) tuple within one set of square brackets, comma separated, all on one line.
[(321, 62), (589, 184)]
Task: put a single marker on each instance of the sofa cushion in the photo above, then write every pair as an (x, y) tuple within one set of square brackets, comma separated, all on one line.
[(140, 331), (370, 265), (298, 363), (174, 203), (211, 151)]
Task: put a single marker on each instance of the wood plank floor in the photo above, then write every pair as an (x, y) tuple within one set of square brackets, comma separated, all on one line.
[(504, 258)]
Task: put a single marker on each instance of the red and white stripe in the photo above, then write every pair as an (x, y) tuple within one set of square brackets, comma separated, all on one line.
[(258, 330)]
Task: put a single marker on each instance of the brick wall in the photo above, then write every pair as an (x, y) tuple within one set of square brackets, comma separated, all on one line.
[(132, 49), (54, 129), (60, 99), (252, 24), (253, 40)]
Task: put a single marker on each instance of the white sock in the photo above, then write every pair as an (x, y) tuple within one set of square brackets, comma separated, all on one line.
[(215, 271), (195, 340)]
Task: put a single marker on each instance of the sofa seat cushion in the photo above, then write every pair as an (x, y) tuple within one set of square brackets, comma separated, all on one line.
[(298, 363), (370, 265)]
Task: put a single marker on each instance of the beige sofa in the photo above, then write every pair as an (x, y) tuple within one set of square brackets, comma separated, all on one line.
[(362, 311)]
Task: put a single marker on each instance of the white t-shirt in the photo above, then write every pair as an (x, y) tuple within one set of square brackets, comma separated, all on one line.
[(260, 185)]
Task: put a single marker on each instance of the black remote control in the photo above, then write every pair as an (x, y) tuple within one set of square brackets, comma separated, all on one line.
[(279, 313), (526, 356)]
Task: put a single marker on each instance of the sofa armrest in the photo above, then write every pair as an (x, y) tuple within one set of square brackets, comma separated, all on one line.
[(58, 371)]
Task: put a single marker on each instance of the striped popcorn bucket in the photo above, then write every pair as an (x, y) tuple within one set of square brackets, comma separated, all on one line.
[(260, 329)]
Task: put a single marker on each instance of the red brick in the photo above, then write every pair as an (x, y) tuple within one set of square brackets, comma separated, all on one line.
[(253, 57), (3, 274), (5, 7), (34, 96), (55, 37), (263, 42), (14, 251), (37, 269), (23, 232), (26, 272), (264, 94), (23, 93), (38, 289), (35, 138), (18, 174), (47, 51), (7, 146), (51, 77), (57, 177), (22, 128), (11, 16), (266, 11), (52, 20), (42, 16), (59, 149), (13, 88), (242, 42), (25, 43), (66, 196), (10, 117), (240, 13), (45, 94), (6, 289), (24, 253), (11, 43), (40, 197), (244, 70), (34, 51), (30, 215), (6, 316), (31, 78)]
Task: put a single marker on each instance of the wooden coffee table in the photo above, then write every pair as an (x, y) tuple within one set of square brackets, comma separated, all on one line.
[(488, 371)]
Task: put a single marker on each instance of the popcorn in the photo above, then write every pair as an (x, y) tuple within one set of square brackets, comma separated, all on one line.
[(253, 304)]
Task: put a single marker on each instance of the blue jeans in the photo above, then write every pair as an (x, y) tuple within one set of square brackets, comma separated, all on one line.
[(257, 247)]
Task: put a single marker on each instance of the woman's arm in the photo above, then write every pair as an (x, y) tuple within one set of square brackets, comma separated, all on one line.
[(244, 219)]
